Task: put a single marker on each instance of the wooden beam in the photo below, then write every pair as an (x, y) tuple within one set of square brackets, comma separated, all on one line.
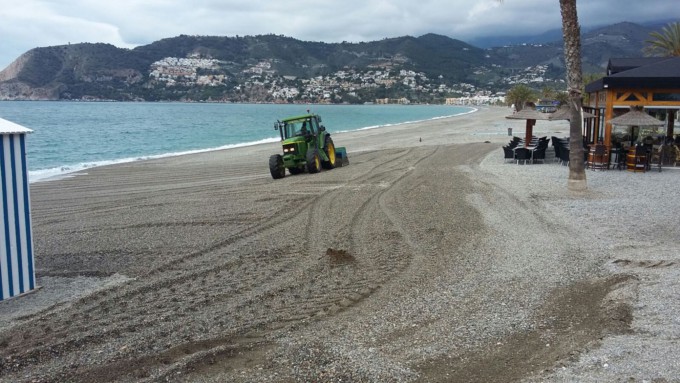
[(624, 96)]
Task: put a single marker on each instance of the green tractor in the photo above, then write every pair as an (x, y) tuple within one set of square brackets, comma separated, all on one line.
[(306, 146)]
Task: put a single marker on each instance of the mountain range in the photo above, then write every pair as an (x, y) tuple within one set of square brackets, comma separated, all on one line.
[(274, 68)]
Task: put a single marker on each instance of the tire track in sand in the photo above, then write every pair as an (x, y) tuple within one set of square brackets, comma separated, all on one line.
[(112, 326)]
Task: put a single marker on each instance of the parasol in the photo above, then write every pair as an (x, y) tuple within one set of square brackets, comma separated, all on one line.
[(531, 115), (564, 113), (636, 117)]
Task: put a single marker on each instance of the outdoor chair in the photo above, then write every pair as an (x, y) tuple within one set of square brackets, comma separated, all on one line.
[(542, 145), (564, 156), (556, 146), (557, 149), (538, 154), (509, 153), (522, 154), (620, 158)]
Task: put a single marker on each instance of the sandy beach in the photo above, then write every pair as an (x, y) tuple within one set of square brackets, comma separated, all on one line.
[(427, 259)]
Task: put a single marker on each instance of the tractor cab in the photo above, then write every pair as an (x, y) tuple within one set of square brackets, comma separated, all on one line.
[(304, 126)]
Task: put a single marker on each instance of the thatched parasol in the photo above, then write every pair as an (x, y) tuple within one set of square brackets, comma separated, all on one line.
[(636, 117), (531, 115), (564, 113), (528, 114)]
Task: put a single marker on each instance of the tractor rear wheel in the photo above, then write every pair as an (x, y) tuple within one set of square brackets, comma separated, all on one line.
[(313, 161), (329, 149), (276, 167)]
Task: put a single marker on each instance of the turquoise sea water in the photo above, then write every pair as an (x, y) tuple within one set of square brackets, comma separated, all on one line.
[(71, 136)]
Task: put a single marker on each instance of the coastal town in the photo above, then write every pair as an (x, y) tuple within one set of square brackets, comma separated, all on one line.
[(344, 86), (428, 69)]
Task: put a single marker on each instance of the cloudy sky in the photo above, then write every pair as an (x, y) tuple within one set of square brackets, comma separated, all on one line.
[(26, 24)]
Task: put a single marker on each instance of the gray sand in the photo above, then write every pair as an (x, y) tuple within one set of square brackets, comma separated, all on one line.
[(427, 259)]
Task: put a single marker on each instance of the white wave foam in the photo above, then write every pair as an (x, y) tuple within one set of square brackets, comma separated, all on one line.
[(472, 110), (66, 171)]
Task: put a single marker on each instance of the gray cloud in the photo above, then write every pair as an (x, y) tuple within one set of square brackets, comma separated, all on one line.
[(26, 24)]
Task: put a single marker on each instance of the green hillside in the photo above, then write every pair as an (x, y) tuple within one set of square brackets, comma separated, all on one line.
[(273, 68)]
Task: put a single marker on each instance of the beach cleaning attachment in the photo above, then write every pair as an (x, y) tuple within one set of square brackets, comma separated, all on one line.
[(341, 158)]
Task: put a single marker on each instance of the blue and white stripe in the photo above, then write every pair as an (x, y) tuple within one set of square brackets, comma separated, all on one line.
[(17, 270)]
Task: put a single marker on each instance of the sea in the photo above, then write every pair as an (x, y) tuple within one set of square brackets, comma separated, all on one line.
[(72, 136)]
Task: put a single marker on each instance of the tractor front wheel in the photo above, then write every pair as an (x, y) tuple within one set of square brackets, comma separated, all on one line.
[(329, 149), (313, 161), (276, 167)]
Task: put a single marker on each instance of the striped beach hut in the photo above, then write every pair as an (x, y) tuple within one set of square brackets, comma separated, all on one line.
[(17, 274)]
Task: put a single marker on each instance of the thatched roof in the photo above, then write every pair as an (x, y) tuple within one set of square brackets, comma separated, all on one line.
[(564, 113), (528, 114), (636, 118)]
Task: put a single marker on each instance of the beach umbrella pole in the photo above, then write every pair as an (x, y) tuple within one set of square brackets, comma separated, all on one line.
[(529, 131)]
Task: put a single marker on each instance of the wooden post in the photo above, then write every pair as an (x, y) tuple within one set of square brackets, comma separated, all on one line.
[(598, 115), (608, 115)]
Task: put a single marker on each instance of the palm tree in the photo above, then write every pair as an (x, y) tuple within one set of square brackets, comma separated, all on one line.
[(519, 95), (571, 32), (562, 98), (666, 43)]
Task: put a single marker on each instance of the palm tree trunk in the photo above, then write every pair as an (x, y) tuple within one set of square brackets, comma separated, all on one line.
[(571, 32)]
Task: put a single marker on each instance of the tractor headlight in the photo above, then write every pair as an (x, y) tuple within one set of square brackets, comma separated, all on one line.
[(287, 149)]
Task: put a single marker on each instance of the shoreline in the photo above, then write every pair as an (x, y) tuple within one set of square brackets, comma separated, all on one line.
[(69, 170)]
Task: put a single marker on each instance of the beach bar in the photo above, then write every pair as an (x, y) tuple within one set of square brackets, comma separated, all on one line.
[(17, 272), (650, 83)]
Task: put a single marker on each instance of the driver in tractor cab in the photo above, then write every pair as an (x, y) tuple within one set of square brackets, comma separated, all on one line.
[(304, 131)]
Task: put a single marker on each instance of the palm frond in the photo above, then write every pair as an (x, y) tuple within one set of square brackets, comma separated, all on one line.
[(664, 43)]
